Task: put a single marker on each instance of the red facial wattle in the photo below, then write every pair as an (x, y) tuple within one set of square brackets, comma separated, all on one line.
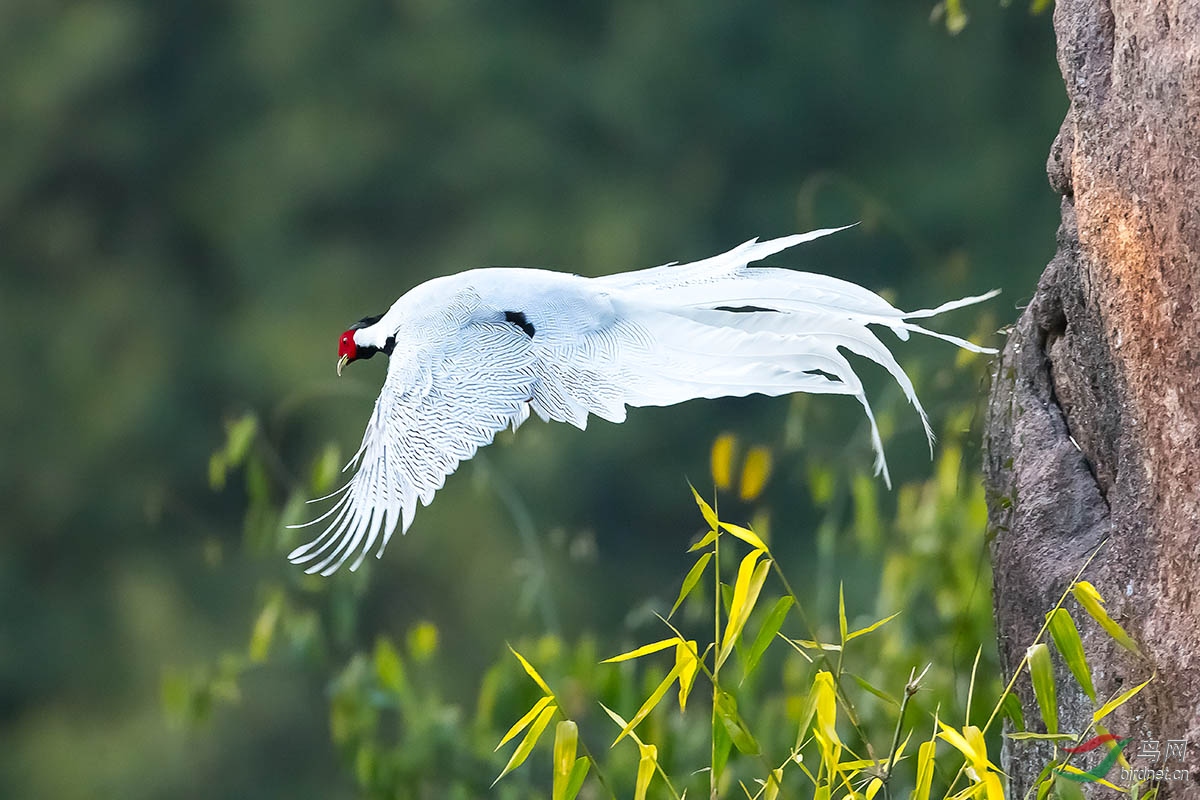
[(347, 350)]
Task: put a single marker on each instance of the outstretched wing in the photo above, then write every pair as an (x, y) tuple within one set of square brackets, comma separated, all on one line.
[(441, 402)]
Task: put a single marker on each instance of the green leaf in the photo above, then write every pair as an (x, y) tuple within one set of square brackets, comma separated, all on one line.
[(264, 627), (1041, 671), (578, 775), (1118, 701), (527, 744), (739, 734), (880, 693), (689, 583), (530, 715), (766, 633), (704, 542), (1093, 603), (1048, 737), (872, 627), (644, 650), (722, 745), (1010, 705), (651, 702), (1066, 639), (389, 669), (566, 742), (533, 673)]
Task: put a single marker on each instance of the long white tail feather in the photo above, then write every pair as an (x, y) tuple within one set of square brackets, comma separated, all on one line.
[(655, 337)]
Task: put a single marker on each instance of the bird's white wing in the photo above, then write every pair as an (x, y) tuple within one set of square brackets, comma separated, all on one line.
[(441, 402)]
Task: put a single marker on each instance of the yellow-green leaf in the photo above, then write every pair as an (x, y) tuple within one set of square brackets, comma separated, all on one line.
[(766, 634), (650, 703), (1118, 701), (842, 626), (722, 460), (1066, 639), (1041, 671), (925, 764), (644, 650), (873, 788), (689, 583), (826, 706), (1087, 596), (687, 659), (746, 535), (527, 744), (264, 627), (872, 627), (646, 768), (533, 673), (566, 741), (389, 669), (755, 472), (706, 510), (745, 593), (530, 715), (617, 718), (704, 542), (578, 775)]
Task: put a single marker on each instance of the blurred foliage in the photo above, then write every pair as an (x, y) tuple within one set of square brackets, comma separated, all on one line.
[(195, 199)]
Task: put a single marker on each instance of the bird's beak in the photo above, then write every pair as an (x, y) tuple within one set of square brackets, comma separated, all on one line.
[(343, 361)]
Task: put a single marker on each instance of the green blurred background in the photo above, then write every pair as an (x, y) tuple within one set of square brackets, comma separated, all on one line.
[(197, 198)]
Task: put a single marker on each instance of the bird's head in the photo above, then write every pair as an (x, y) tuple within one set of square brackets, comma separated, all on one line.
[(351, 348)]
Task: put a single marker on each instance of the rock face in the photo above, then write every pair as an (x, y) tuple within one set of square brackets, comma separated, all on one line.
[(1093, 431)]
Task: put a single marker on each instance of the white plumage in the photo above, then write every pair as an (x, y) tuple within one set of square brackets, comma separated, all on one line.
[(474, 353)]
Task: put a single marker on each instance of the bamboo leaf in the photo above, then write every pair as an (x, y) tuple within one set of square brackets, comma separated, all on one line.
[(755, 472), (705, 541), (766, 633), (872, 627), (739, 734), (529, 717), (689, 582), (575, 781), (527, 744), (566, 741), (645, 772), (644, 650), (882, 695), (826, 706), (722, 460), (617, 718), (925, 765), (1041, 671), (389, 669), (737, 615), (1087, 596), (1049, 737), (533, 673), (1118, 701), (746, 535), (1066, 639), (650, 703), (688, 662), (842, 626), (706, 510), (1010, 705)]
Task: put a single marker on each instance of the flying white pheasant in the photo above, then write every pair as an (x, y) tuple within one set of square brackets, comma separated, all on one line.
[(474, 353)]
